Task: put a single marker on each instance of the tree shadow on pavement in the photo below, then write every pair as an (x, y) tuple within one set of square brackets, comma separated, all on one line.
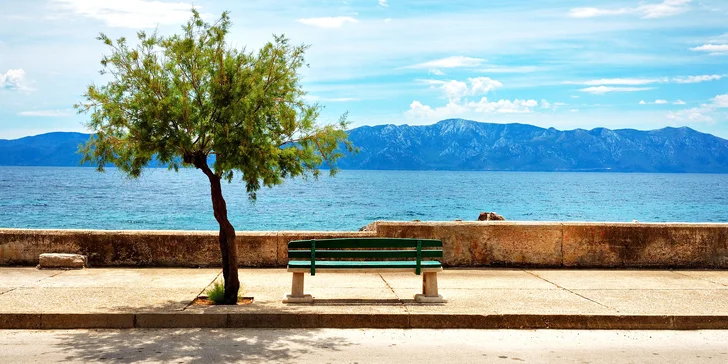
[(159, 306), (194, 345)]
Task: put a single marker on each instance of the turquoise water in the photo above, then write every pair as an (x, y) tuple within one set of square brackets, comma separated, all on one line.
[(49, 197)]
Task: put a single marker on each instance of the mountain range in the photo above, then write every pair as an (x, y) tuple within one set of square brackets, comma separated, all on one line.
[(457, 144), (51, 149)]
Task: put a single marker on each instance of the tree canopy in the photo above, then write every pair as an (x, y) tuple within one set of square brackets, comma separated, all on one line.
[(181, 98)]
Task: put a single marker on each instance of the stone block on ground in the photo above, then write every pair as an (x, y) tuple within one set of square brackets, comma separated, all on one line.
[(61, 261)]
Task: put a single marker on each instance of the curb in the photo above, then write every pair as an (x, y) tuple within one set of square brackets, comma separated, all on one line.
[(349, 321)]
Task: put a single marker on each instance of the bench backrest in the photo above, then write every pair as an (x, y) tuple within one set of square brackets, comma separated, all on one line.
[(365, 249)]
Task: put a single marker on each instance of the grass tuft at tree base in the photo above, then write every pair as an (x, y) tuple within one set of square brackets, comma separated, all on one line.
[(216, 293)]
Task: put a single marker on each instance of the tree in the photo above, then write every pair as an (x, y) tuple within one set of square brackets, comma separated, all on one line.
[(180, 99)]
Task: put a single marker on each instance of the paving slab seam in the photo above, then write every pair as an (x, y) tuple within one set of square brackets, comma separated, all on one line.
[(202, 291), (394, 293), (38, 281), (382, 321), (698, 278), (572, 292)]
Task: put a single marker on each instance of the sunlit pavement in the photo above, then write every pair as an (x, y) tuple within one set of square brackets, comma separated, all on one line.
[(361, 346), (469, 291)]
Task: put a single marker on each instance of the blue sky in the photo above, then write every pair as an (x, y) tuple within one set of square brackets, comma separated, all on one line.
[(563, 64)]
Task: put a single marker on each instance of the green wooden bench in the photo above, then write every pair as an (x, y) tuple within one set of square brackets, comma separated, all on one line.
[(346, 255)]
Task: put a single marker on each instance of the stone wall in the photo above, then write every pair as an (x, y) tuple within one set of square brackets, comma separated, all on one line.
[(151, 248), (465, 244), (584, 245)]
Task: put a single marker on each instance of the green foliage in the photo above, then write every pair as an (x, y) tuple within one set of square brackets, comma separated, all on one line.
[(181, 98), (216, 293)]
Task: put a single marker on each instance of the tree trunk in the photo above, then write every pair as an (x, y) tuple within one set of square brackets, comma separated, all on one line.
[(228, 248)]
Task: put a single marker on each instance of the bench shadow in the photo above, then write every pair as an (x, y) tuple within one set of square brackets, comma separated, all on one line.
[(366, 302), (354, 302), (412, 302)]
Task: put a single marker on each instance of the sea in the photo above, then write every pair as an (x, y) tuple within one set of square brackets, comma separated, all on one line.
[(82, 198)]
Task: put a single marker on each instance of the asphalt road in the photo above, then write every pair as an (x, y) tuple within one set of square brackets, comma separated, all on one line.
[(362, 346)]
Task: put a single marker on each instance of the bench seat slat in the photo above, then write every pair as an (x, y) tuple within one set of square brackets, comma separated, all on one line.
[(403, 264), (373, 254), (343, 243)]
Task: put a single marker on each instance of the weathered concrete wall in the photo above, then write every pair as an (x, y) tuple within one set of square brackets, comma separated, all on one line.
[(491, 243), (586, 245), (486, 243), (151, 248)]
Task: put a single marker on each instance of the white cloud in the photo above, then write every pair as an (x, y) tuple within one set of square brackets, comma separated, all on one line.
[(647, 11), (720, 101), (656, 102), (13, 79), (598, 90), (620, 81), (696, 114), (637, 82), (696, 79), (419, 111), (666, 8), (574, 110), (328, 22), (502, 106), (593, 12), (713, 49), (510, 69), (723, 38), (47, 113), (454, 108), (459, 105), (436, 72), (482, 85), (455, 90), (449, 62), (129, 13), (383, 3), (679, 102), (552, 105), (704, 113)]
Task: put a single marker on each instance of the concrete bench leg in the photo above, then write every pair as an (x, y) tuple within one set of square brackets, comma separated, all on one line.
[(297, 295), (429, 289)]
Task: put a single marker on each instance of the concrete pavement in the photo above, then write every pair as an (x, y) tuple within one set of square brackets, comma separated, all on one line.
[(362, 346), (478, 298)]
